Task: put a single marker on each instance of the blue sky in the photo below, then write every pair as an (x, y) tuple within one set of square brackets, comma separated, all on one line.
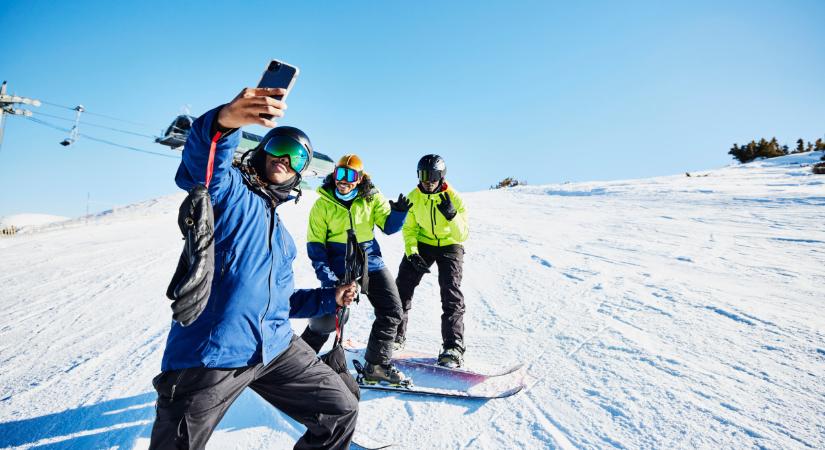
[(542, 91)]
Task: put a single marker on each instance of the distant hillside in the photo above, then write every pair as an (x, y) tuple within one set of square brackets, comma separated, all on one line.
[(26, 220)]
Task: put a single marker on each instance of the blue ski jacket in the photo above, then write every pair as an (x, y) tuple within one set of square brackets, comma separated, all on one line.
[(246, 320)]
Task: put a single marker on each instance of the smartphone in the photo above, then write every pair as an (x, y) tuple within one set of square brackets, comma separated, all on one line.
[(278, 74)]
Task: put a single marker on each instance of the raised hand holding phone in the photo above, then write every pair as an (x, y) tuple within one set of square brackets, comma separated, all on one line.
[(248, 108)]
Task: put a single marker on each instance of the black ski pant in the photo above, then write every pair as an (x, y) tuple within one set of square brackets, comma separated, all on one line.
[(383, 295), (450, 261), (191, 402)]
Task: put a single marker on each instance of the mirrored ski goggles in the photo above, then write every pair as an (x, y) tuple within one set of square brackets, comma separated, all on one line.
[(347, 174), (430, 176), (284, 146)]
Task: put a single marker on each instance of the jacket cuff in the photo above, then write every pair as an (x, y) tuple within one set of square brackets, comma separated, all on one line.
[(328, 304), (394, 221)]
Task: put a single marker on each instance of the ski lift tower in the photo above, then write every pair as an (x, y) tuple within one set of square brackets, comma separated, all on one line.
[(8, 106)]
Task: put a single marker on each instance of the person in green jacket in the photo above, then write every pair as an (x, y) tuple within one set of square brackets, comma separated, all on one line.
[(348, 200), (435, 227)]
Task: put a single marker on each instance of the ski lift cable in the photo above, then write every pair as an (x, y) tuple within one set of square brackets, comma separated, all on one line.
[(92, 138), (88, 124), (44, 123), (127, 147), (73, 108)]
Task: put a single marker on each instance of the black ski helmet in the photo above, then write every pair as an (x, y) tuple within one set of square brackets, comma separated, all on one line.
[(431, 168), (292, 133)]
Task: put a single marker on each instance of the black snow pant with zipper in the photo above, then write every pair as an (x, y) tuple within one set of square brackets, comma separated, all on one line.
[(450, 262), (191, 402), (383, 296)]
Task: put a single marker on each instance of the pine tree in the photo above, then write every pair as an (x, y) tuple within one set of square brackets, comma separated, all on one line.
[(750, 153), (737, 153), (770, 149)]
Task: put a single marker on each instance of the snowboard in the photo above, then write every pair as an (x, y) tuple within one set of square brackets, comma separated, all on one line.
[(428, 378)]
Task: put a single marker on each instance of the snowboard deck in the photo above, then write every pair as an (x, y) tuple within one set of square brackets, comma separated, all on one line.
[(408, 358), (436, 392), (434, 380)]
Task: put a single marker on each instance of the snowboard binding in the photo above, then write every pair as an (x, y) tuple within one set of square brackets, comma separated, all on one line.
[(362, 379)]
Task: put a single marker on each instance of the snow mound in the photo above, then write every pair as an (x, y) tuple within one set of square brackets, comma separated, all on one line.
[(806, 158)]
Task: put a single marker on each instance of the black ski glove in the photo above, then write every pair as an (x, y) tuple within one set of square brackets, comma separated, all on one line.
[(403, 204), (191, 285), (418, 263), (446, 206)]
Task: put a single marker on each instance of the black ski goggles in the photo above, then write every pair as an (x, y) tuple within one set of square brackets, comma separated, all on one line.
[(430, 176), (280, 146)]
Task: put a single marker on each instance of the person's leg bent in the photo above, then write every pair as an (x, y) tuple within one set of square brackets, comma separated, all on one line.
[(191, 402), (318, 330), (383, 296), (309, 391)]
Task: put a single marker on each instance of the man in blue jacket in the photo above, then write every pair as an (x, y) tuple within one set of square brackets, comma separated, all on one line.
[(243, 337)]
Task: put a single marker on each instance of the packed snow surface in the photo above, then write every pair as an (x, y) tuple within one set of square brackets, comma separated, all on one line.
[(672, 312)]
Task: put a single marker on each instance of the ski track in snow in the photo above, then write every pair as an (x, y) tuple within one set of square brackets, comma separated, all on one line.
[(670, 312)]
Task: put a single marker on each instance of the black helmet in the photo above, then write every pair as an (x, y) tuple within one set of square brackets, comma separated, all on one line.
[(281, 141), (431, 168)]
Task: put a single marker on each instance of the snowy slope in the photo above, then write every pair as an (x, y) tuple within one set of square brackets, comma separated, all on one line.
[(672, 312), (29, 220)]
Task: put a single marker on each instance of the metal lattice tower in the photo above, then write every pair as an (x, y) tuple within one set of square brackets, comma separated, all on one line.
[(8, 106)]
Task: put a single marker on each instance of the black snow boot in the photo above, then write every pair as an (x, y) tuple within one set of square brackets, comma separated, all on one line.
[(384, 374), (451, 357)]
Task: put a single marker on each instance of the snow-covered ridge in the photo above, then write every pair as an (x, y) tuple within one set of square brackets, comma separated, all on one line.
[(38, 223), (24, 220), (670, 312), (734, 179)]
